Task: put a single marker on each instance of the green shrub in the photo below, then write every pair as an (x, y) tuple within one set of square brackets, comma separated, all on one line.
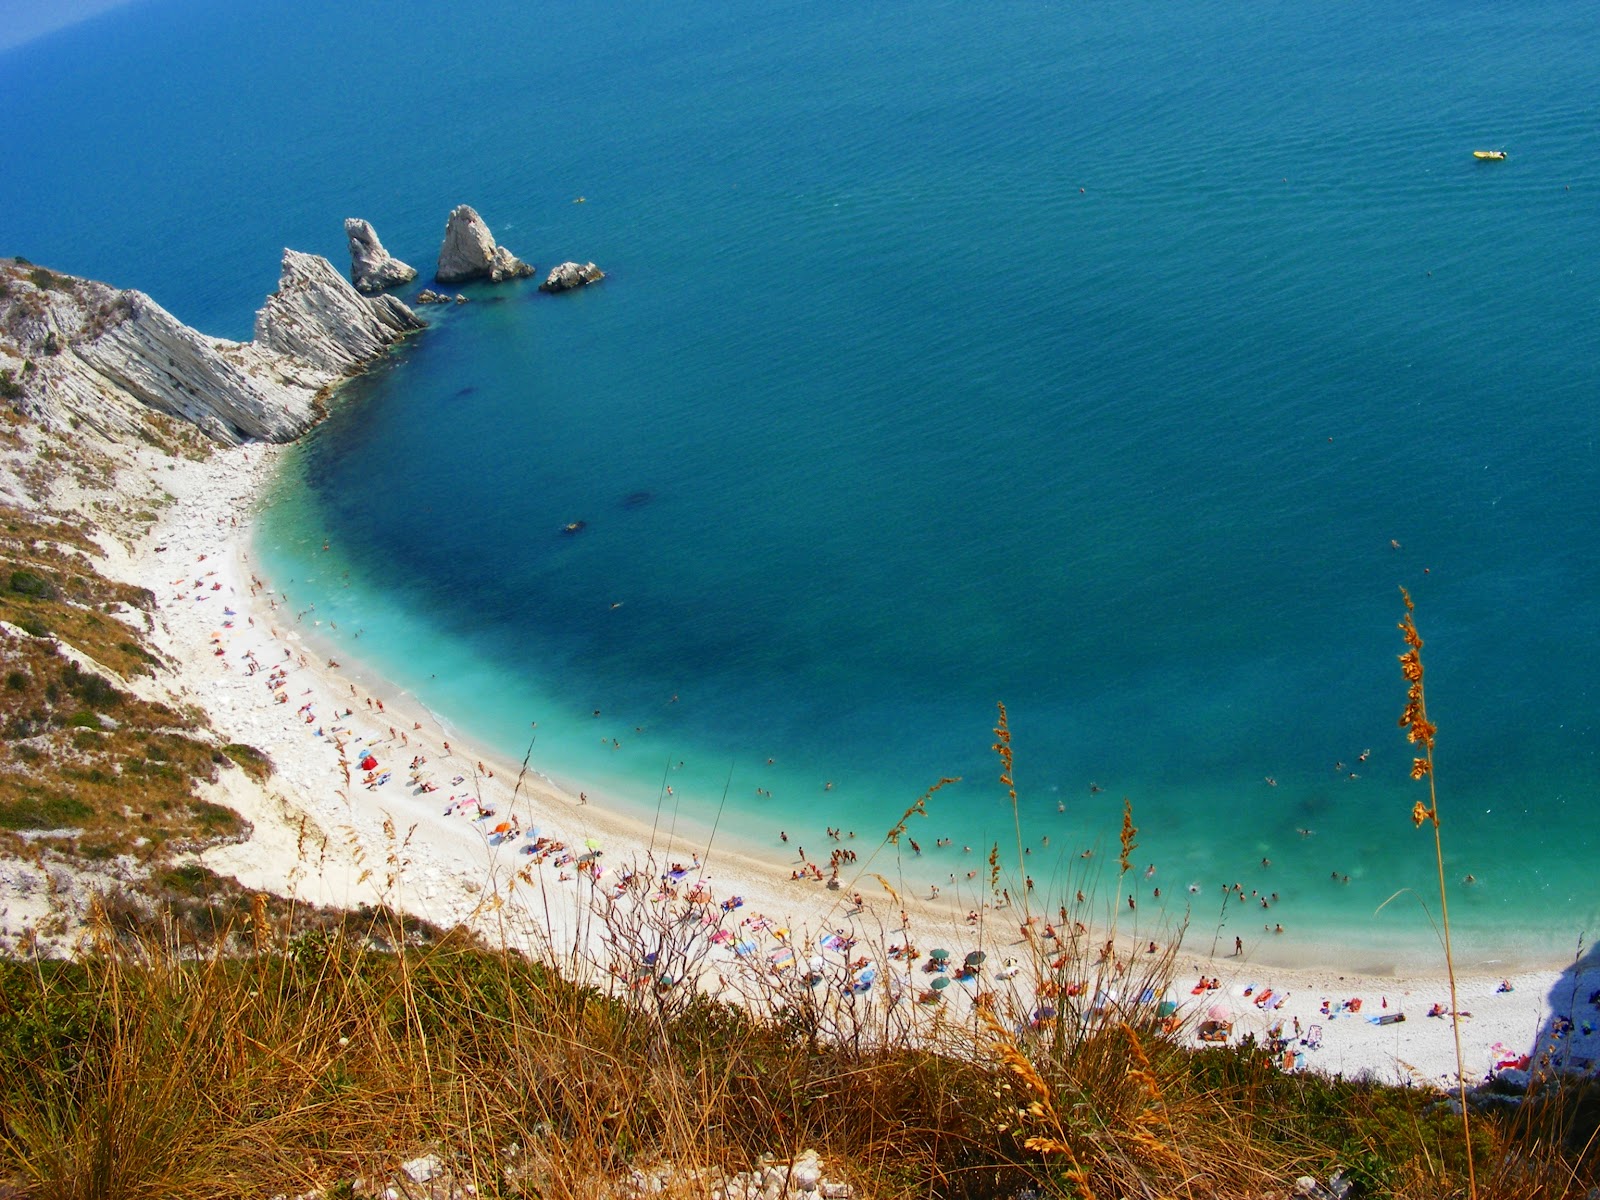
[(213, 817), (26, 583), (94, 690), (190, 880), (10, 389), (255, 762), (42, 812)]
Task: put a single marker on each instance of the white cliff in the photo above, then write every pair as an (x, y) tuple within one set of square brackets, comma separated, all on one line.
[(372, 268), (469, 251), (75, 353)]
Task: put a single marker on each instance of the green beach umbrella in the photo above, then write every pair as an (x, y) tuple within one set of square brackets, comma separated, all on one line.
[(939, 955), (975, 959), (941, 983)]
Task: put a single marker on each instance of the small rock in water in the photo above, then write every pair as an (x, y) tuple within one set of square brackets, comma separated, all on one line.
[(569, 275), (637, 499)]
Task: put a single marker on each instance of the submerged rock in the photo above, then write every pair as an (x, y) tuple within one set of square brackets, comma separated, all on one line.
[(571, 275), (372, 268), (469, 252)]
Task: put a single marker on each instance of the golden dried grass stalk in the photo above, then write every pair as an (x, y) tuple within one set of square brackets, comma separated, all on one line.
[(1421, 732), (918, 809)]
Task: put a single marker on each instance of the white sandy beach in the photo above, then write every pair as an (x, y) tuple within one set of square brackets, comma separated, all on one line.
[(334, 832)]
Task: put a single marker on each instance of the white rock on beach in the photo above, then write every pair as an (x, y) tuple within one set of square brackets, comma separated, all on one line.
[(469, 251), (372, 268)]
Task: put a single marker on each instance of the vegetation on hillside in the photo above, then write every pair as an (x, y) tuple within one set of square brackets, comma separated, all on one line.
[(316, 1054), (86, 765)]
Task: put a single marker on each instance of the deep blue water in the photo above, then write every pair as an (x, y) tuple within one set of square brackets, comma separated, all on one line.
[(1089, 358)]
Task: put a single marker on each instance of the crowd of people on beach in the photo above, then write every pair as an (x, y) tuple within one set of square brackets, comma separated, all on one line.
[(368, 750)]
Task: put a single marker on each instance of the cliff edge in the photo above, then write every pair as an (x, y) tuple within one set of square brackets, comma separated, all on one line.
[(76, 353)]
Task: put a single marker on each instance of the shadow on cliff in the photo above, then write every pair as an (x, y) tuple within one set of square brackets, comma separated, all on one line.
[(1568, 1041), (1557, 1102)]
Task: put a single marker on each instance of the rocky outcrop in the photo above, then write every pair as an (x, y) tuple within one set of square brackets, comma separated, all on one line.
[(78, 353), (469, 252), (317, 319), (571, 275), (372, 268)]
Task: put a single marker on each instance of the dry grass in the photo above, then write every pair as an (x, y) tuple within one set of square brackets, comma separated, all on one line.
[(1420, 732), (296, 1052)]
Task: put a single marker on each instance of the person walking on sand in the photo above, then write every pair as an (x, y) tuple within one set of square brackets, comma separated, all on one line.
[(1238, 946)]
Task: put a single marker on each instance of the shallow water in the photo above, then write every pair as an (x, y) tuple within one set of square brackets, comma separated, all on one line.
[(1088, 360)]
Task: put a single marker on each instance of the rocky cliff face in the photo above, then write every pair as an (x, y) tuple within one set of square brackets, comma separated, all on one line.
[(315, 319), (469, 251), (77, 353), (372, 268)]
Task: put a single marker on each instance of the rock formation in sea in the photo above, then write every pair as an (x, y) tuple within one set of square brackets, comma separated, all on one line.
[(571, 275), (372, 268), (77, 354), (469, 252)]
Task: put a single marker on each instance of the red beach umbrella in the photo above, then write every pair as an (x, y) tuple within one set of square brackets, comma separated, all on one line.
[(369, 763)]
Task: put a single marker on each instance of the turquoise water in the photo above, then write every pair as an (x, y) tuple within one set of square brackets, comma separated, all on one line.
[(1088, 359)]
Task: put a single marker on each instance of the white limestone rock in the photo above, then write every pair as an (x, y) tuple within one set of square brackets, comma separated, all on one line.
[(423, 1169), (571, 275), (102, 357), (469, 252), (318, 319), (372, 268)]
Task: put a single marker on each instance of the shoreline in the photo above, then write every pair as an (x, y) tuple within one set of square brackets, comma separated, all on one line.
[(392, 840)]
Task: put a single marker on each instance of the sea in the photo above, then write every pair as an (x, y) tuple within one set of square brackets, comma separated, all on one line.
[(1116, 363)]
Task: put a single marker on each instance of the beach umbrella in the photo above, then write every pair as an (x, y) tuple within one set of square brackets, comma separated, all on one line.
[(1219, 1012), (592, 843), (940, 955), (975, 959), (941, 983), (1167, 1008), (369, 763)]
